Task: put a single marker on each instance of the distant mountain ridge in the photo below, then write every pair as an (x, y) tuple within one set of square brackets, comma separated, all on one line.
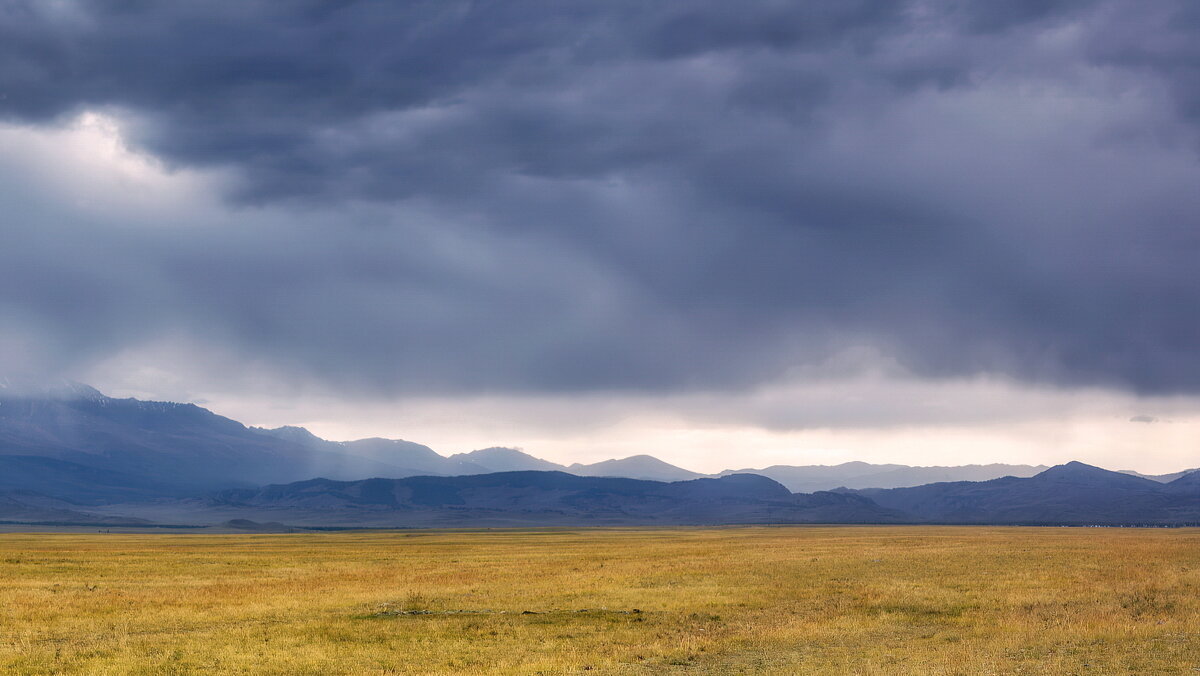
[(500, 459), (403, 458), (1073, 493), (71, 453), (635, 467), (549, 498), (419, 459), (808, 478), (1161, 478), (132, 446)]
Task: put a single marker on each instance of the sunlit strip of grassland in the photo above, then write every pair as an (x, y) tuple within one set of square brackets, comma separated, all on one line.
[(865, 600)]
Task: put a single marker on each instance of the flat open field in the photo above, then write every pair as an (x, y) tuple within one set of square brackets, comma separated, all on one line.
[(865, 600)]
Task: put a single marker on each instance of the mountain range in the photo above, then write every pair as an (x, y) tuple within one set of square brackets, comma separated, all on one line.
[(74, 441), (1074, 493), (546, 498), (808, 478), (72, 454)]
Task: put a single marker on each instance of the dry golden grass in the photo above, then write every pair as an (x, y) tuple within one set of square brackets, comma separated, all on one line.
[(858, 600)]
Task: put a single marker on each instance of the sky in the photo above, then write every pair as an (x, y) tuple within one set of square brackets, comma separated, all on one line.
[(725, 234)]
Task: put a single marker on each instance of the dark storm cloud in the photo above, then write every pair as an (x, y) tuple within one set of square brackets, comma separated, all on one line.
[(565, 196), (993, 17), (299, 94), (1158, 40)]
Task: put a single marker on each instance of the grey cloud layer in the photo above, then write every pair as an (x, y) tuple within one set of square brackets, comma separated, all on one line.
[(574, 196)]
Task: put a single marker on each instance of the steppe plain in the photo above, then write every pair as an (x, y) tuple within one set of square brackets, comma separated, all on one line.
[(802, 599)]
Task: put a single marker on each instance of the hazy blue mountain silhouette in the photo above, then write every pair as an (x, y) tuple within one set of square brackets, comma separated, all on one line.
[(81, 484), (808, 478), (635, 467), (403, 458), (550, 498), (500, 459), (1064, 494), (1188, 484), (1162, 478), (140, 446), (70, 450), (27, 507)]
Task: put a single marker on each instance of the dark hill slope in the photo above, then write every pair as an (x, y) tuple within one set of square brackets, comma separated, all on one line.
[(809, 478), (148, 447), (552, 498), (26, 507), (1187, 485), (1073, 493), (81, 484), (403, 458)]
